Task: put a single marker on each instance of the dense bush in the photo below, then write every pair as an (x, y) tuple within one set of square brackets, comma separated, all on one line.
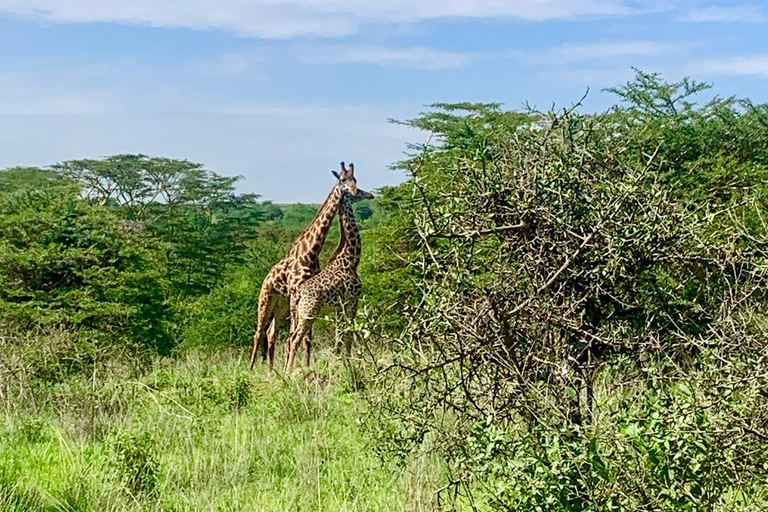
[(68, 262), (591, 329), (193, 212), (227, 315), (388, 278)]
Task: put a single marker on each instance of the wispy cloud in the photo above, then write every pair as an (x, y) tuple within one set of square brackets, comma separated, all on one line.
[(606, 63), (571, 53), (433, 59), (419, 57), (730, 14), (745, 65), (26, 94), (289, 18)]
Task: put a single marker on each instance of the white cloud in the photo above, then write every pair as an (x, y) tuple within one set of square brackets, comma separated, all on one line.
[(289, 18), (605, 50), (422, 58), (731, 14), (26, 94), (748, 65)]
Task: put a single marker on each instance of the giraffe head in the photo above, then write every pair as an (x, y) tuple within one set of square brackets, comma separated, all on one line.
[(362, 194), (348, 183)]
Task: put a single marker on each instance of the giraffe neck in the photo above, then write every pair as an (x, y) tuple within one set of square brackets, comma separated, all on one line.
[(349, 242), (310, 242)]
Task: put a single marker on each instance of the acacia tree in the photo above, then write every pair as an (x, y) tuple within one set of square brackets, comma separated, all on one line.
[(591, 329), (118, 246), (194, 212)]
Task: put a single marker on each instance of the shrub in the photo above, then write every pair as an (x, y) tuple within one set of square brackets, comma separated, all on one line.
[(591, 300), (133, 458), (227, 315)]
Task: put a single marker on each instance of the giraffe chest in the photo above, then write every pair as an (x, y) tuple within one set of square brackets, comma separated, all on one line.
[(331, 288), (341, 291)]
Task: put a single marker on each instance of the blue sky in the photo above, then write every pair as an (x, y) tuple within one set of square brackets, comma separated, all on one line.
[(280, 91)]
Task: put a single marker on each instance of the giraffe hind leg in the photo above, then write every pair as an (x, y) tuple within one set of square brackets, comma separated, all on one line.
[(266, 307), (307, 346), (279, 316)]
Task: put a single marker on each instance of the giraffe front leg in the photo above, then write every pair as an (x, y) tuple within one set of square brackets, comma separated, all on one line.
[(271, 340), (254, 350), (259, 342), (291, 348), (337, 336), (349, 312), (301, 333)]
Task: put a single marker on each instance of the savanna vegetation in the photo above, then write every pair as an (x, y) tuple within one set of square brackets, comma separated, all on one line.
[(562, 311)]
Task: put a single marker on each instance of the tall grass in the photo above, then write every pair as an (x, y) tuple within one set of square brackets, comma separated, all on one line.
[(198, 432)]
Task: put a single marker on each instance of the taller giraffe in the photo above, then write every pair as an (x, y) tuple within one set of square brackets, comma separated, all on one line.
[(301, 263), (337, 285)]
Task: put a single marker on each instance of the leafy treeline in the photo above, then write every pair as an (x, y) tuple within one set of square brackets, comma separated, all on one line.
[(590, 328)]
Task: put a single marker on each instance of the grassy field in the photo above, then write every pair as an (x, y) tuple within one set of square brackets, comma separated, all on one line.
[(197, 432)]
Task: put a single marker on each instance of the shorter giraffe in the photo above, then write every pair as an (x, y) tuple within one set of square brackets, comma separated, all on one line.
[(337, 285)]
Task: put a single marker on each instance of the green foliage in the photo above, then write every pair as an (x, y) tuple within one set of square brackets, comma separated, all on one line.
[(272, 211), (204, 241), (28, 179), (192, 211), (133, 457), (121, 246), (363, 210), (662, 451), (68, 262), (224, 317), (227, 315), (389, 282), (297, 216)]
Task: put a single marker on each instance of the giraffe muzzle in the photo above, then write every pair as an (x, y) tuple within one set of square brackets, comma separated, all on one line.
[(362, 194)]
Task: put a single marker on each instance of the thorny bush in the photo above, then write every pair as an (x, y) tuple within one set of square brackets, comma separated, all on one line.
[(591, 333)]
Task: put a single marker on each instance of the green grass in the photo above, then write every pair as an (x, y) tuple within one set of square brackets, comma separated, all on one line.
[(200, 433)]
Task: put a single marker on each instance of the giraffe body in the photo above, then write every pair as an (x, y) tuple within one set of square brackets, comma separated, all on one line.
[(301, 263), (336, 286)]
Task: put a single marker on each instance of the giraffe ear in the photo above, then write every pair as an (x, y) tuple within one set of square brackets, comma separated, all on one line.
[(336, 174)]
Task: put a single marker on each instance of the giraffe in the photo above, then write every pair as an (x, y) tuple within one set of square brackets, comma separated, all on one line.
[(337, 285), (301, 263)]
